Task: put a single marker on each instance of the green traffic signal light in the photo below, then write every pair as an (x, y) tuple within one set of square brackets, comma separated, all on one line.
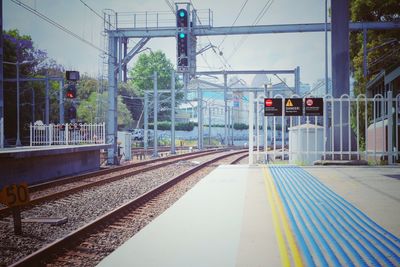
[(181, 13), (182, 35)]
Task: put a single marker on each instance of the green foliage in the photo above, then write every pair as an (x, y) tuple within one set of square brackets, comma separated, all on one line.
[(180, 126), (379, 57), (142, 72), (87, 108), (240, 126), (189, 126), (86, 86), (35, 63), (142, 79)]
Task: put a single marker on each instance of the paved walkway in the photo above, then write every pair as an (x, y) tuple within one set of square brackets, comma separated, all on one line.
[(276, 216)]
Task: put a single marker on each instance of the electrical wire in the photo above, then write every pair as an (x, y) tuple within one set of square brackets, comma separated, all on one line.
[(255, 22), (52, 22), (238, 15), (91, 9), (223, 60), (170, 6)]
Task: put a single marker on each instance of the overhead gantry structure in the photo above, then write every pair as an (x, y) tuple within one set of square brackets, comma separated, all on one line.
[(119, 57)]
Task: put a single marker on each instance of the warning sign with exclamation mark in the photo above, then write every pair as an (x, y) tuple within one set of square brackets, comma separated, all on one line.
[(293, 107)]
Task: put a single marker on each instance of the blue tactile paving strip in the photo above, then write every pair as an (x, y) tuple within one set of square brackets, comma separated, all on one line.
[(329, 228)]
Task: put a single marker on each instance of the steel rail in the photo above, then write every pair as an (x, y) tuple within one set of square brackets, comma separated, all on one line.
[(7, 210), (37, 258), (70, 179)]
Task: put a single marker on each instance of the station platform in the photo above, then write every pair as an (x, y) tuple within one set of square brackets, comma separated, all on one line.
[(276, 215), (35, 164)]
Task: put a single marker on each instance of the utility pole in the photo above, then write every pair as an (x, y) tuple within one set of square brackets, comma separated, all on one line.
[(61, 102), (209, 126), (229, 125), (173, 112), (47, 103), (326, 48), (146, 121), (155, 152), (199, 107), (18, 142), (226, 108), (1, 79), (33, 105)]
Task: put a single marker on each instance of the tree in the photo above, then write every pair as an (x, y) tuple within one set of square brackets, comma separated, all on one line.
[(86, 86), (87, 110), (142, 79), (380, 57), (20, 48), (383, 53)]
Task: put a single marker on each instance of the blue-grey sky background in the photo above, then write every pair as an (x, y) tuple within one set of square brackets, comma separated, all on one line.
[(269, 51)]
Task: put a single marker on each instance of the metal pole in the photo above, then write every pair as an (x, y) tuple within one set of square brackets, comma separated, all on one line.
[(155, 152), (1, 78), (18, 141), (146, 121), (251, 125), (61, 101), (112, 103), (33, 105), (390, 127), (119, 59), (232, 126), (226, 108), (229, 126), (47, 103), (199, 118), (125, 48), (297, 80), (173, 112), (365, 53), (209, 126), (326, 47)]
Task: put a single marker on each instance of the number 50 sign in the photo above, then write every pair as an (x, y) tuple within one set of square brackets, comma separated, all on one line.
[(14, 195)]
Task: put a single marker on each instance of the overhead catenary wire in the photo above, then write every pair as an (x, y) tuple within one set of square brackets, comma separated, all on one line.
[(223, 60), (94, 11), (54, 23), (255, 22), (170, 6), (238, 15)]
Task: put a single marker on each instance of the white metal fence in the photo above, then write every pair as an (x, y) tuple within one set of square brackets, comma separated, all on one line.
[(67, 134), (373, 134)]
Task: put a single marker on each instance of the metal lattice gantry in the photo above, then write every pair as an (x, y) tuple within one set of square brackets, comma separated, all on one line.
[(118, 57)]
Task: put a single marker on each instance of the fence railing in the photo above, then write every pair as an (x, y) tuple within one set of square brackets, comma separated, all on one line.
[(154, 19), (67, 134), (359, 128)]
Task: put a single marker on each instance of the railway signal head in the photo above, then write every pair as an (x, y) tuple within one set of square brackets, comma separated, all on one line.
[(72, 75), (182, 18), (71, 91), (182, 49)]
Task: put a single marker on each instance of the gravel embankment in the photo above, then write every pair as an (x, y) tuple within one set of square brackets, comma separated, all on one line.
[(81, 208)]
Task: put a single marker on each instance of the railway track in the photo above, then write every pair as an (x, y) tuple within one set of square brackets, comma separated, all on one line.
[(60, 188), (81, 248)]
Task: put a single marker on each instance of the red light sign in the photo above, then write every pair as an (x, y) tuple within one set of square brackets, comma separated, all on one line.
[(268, 102)]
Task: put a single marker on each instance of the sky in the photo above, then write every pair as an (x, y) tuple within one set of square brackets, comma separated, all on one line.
[(253, 52)]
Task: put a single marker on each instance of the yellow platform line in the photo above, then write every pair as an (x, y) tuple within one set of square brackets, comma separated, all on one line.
[(278, 213)]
